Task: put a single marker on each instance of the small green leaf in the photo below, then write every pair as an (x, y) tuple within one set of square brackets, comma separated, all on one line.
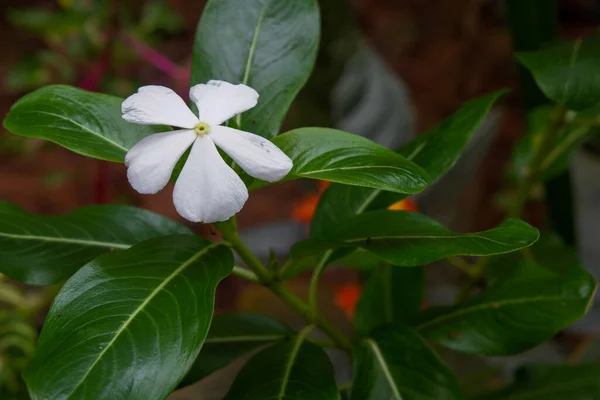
[(230, 337), (295, 369), (269, 45), (337, 156), (436, 151), (395, 363), (42, 250), (406, 238), (567, 72), (390, 295), (130, 324), (552, 382), (84, 122), (512, 317)]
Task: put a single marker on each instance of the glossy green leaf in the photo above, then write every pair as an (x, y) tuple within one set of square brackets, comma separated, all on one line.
[(406, 238), (270, 45), (337, 156), (84, 122), (567, 72), (512, 317), (42, 250), (547, 257), (552, 382), (395, 363), (294, 370), (390, 295), (436, 151), (230, 337), (129, 324)]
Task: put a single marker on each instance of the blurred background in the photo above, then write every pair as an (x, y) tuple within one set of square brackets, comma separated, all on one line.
[(387, 69)]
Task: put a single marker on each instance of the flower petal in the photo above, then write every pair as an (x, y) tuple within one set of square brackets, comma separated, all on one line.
[(207, 189), (158, 105), (256, 155), (151, 161), (218, 101)]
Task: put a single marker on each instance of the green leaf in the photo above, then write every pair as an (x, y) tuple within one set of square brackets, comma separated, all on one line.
[(406, 238), (295, 369), (512, 317), (84, 122), (230, 337), (436, 151), (567, 72), (395, 363), (552, 382), (390, 295), (42, 250), (129, 325), (270, 45), (337, 156)]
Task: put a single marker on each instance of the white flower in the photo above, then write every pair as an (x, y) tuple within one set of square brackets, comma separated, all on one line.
[(207, 189)]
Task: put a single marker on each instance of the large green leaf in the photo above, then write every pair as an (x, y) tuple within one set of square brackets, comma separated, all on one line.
[(43, 250), (512, 317), (294, 370), (337, 156), (230, 337), (436, 151), (568, 72), (552, 382), (390, 295), (270, 45), (84, 122), (129, 324), (395, 363), (406, 238)]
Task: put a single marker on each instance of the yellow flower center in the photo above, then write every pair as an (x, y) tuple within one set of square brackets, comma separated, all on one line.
[(202, 128)]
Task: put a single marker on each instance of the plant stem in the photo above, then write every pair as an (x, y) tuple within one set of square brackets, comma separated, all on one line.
[(313, 291), (535, 166), (245, 274), (230, 234)]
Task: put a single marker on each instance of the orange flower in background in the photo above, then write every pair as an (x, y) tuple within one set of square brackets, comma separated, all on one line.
[(304, 210), (406, 205), (346, 297)]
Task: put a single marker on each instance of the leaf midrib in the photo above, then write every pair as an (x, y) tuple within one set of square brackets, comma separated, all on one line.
[(237, 339), (386, 372), (86, 129), (51, 239), (139, 309), (292, 358), (251, 52), (484, 306)]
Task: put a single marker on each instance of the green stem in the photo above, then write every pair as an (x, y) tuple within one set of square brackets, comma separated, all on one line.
[(535, 166), (230, 234), (245, 274), (313, 291)]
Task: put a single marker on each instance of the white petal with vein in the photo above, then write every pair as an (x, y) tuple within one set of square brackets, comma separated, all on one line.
[(207, 189), (151, 161), (256, 155), (158, 105), (218, 101)]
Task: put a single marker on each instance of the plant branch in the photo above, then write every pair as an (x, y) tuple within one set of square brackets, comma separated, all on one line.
[(535, 165), (230, 234), (244, 273), (313, 291)]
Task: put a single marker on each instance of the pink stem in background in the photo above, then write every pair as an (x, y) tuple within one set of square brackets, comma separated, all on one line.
[(154, 57)]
